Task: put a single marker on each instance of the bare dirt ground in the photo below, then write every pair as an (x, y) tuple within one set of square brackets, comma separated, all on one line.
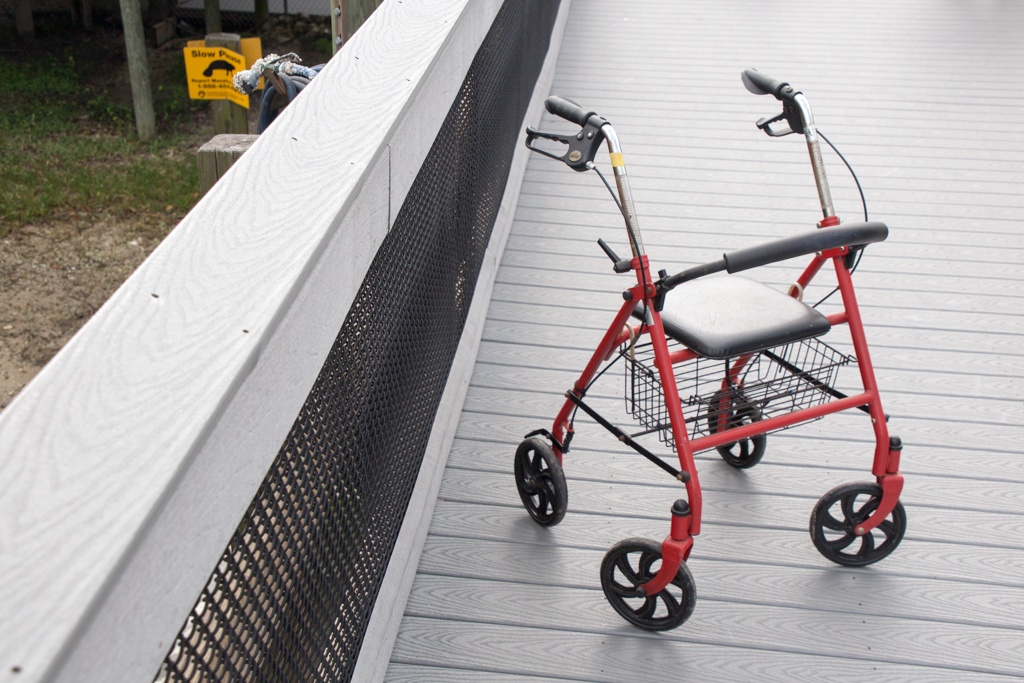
[(54, 277), (55, 274)]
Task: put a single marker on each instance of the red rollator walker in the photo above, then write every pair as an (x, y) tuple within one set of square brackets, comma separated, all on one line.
[(719, 362)]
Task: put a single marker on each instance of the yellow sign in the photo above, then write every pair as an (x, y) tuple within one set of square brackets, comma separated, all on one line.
[(210, 71), (252, 49)]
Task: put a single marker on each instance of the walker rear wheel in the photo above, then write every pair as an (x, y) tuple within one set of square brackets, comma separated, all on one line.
[(839, 512), (631, 563), (745, 452), (540, 482)]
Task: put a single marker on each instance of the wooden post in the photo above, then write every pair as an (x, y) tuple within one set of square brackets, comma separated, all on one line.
[(346, 18), (138, 69), (87, 21), (161, 26), (163, 31), (216, 157), (212, 15), (228, 117), (261, 10), (158, 10), (23, 20), (337, 27)]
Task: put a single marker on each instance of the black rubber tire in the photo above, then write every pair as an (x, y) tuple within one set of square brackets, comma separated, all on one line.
[(633, 562), (541, 482), (746, 452), (833, 535)]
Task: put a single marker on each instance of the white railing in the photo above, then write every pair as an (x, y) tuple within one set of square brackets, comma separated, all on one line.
[(127, 463)]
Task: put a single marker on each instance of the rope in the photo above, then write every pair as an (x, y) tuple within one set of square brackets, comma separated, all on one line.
[(286, 76)]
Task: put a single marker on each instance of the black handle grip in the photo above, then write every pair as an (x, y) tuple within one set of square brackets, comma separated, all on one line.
[(673, 281), (849, 235), (567, 109), (759, 84)]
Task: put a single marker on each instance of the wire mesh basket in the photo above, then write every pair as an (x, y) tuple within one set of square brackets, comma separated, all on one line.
[(717, 394)]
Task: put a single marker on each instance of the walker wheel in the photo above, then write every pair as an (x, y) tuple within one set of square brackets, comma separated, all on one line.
[(541, 482), (839, 512), (630, 564), (745, 452)]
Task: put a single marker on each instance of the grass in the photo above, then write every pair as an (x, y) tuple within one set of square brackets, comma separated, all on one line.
[(68, 146)]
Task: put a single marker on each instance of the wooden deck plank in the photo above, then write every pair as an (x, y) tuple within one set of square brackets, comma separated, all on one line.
[(578, 222), (568, 600), (925, 416), (775, 511), (921, 97), (414, 673), (978, 479), (678, 237), (878, 275), (795, 469), (535, 410), (714, 203), (594, 307), (676, 179), (878, 286), (898, 369), (918, 560), (903, 400), (963, 341), (940, 644), (807, 446), (759, 180), (498, 426), (624, 656)]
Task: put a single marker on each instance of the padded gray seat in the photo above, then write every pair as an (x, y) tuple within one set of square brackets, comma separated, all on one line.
[(721, 317)]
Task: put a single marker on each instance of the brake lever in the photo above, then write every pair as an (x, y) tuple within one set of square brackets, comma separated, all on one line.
[(582, 147), (532, 134), (790, 114), (765, 124)]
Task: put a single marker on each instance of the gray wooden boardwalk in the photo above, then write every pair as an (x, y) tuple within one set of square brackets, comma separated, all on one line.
[(926, 100)]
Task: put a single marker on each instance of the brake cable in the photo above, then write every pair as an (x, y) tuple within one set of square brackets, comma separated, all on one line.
[(864, 204)]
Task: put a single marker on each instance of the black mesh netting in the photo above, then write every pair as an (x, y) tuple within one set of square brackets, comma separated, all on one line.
[(292, 594)]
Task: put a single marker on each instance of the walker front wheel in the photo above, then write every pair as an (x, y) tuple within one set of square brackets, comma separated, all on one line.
[(540, 482), (840, 511), (631, 563)]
